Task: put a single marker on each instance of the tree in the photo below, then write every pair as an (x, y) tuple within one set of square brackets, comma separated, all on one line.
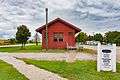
[(36, 39), (117, 40), (98, 37), (82, 37), (22, 35), (90, 38), (12, 41), (31, 41), (111, 36)]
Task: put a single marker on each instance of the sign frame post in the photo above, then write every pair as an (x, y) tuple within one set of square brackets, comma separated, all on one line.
[(98, 57), (114, 58), (106, 57)]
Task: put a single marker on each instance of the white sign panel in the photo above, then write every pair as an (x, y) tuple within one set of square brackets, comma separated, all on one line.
[(106, 58)]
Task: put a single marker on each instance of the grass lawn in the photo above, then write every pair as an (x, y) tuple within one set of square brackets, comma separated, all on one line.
[(30, 48), (7, 72), (89, 51), (80, 70), (37, 49)]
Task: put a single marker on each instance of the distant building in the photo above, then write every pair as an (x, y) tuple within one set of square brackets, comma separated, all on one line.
[(92, 42), (60, 34)]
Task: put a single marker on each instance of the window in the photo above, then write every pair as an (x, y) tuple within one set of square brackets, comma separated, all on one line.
[(58, 37), (71, 33)]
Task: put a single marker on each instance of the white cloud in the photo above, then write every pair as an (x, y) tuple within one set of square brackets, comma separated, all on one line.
[(90, 15), (61, 4)]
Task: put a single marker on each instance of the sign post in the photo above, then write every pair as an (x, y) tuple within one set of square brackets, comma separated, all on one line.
[(106, 58)]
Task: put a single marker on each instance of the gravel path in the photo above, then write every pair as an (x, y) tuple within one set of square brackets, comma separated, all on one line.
[(30, 71), (34, 73), (50, 56)]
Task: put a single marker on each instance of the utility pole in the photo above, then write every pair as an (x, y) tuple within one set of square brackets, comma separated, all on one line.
[(46, 9), (36, 39)]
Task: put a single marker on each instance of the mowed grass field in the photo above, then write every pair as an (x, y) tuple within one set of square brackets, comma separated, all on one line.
[(30, 49), (79, 70), (37, 49), (7, 72), (27, 49)]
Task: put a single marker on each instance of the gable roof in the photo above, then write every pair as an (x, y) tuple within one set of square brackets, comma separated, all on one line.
[(60, 20)]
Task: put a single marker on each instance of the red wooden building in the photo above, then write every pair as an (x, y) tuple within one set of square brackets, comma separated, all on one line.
[(60, 33)]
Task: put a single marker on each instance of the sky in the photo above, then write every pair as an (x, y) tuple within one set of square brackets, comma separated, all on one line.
[(92, 16)]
